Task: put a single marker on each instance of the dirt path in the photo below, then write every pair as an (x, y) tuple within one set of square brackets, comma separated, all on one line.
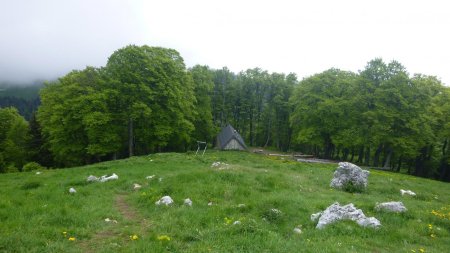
[(131, 217)]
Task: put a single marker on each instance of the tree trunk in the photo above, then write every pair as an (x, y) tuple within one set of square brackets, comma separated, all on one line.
[(376, 158), (353, 155), (360, 155), (130, 137), (367, 156), (388, 159), (399, 165)]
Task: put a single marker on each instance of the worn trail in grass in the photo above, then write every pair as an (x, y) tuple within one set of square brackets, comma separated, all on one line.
[(35, 210)]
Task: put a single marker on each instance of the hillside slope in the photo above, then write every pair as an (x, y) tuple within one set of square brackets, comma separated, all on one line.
[(38, 214)]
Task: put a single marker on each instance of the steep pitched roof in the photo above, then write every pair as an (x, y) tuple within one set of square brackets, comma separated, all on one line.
[(228, 133)]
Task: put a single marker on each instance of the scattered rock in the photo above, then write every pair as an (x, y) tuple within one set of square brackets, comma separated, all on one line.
[(275, 211), (150, 177), (137, 186), (349, 175), (92, 178), (407, 192), (336, 212), (166, 200), (160, 179), (219, 165), (297, 230), (237, 222), (210, 203), (38, 172), (72, 190), (106, 178), (397, 207), (188, 202), (109, 220)]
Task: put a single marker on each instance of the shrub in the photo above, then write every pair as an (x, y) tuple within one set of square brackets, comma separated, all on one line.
[(32, 166)]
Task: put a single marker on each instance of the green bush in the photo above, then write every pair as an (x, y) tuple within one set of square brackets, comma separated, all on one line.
[(32, 166)]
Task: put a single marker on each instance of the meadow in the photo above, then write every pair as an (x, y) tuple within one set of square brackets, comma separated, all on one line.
[(38, 214)]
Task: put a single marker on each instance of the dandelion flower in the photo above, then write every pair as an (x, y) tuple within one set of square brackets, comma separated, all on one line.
[(163, 238), (422, 250), (433, 235), (72, 239), (133, 237)]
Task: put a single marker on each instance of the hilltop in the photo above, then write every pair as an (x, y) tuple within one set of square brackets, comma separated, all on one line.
[(38, 214)]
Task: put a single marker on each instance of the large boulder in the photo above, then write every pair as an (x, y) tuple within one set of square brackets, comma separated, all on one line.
[(392, 206), (349, 177), (336, 212)]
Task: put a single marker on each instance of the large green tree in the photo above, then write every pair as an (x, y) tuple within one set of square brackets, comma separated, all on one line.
[(13, 139)]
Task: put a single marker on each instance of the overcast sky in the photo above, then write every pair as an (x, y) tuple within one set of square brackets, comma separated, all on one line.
[(45, 39)]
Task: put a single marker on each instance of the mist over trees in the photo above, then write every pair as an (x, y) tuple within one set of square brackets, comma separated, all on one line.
[(145, 100)]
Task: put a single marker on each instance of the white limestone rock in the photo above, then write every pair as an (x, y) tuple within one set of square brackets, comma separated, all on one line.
[(348, 173), (407, 192), (188, 202), (92, 178), (297, 230), (392, 206), (150, 177), (72, 190), (336, 212), (166, 200), (137, 186), (105, 178)]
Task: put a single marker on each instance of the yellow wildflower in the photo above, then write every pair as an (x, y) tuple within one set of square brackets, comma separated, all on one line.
[(72, 239), (433, 235), (430, 226), (227, 221), (413, 251), (134, 237), (64, 233), (422, 250), (163, 238)]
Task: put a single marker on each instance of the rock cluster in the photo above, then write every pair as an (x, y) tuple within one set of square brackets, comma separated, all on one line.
[(392, 206), (348, 174), (336, 212)]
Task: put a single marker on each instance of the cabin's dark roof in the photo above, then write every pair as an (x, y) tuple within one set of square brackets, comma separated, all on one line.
[(228, 133)]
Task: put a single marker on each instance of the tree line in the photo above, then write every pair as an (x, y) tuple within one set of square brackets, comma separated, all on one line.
[(145, 100)]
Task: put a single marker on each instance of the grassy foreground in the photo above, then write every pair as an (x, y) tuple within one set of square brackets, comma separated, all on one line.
[(37, 213)]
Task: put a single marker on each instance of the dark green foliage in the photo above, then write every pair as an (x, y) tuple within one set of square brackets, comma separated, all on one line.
[(380, 117), (30, 185)]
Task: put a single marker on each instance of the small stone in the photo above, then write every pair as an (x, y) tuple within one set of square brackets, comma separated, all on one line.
[(237, 222), (38, 172), (188, 202), (92, 178), (166, 200), (137, 186), (210, 203), (407, 192), (150, 177), (72, 190), (396, 207), (297, 230)]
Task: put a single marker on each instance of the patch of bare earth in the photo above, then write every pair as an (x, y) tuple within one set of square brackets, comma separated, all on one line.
[(131, 217)]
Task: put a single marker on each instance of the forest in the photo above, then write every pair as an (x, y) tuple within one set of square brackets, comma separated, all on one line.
[(146, 100)]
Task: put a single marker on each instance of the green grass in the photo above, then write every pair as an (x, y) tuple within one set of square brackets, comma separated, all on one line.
[(35, 210)]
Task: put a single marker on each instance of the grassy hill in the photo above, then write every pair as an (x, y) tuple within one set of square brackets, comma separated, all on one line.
[(37, 213)]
